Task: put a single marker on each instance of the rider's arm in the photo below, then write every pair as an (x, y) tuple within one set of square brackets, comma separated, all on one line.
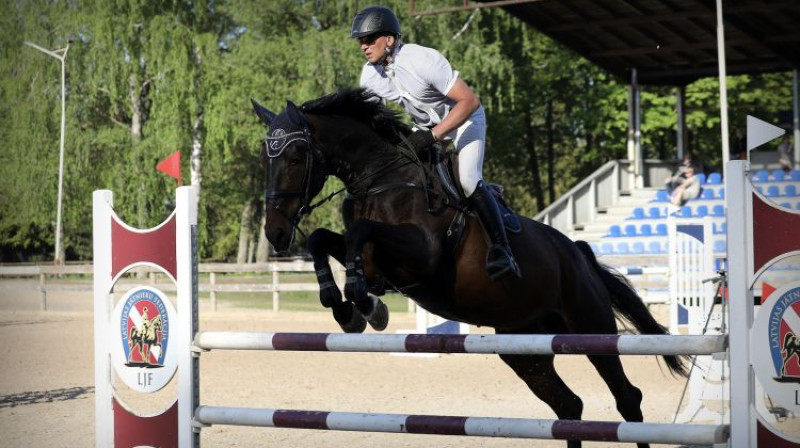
[(466, 103)]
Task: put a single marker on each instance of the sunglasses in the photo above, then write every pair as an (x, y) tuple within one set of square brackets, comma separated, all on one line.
[(369, 40)]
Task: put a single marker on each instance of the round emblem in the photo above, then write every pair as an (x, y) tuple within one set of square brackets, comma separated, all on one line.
[(277, 143), (775, 346), (141, 351)]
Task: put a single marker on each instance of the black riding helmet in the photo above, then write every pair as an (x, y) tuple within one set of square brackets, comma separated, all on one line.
[(375, 19)]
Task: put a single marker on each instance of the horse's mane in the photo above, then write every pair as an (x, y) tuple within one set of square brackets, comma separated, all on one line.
[(363, 106)]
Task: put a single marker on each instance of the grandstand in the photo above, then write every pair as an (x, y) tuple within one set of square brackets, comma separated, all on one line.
[(632, 232)]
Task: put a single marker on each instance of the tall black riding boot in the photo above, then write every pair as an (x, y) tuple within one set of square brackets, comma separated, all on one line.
[(500, 261)]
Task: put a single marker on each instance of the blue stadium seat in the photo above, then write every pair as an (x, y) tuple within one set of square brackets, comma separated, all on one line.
[(646, 230), (701, 177), (719, 246), (614, 231), (790, 190), (718, 210), (621, 248), (773, 191), (701, 211), (661, 196), (607, 248), (778, 175), (786, 205), (654, 213), (794, 175), (638, 248), (630, 230), (721, 193), (761, 176), (684, 212), (638, 213), (714, 179), (595, 247), (707, 194), (654, 247), (661, 229), (721, 228)]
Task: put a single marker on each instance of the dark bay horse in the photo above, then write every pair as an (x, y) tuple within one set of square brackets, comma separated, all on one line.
[(394, 236)]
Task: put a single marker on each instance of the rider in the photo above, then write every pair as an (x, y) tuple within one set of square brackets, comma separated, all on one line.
[(442, 107)]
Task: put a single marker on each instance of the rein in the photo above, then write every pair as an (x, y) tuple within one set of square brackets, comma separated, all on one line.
[(315, 154)]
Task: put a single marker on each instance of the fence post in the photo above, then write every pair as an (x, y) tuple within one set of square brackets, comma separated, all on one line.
[(43, 290), (213, 281), (276, 296)]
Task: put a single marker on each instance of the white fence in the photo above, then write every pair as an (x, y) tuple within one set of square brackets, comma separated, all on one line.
[(276, 286)]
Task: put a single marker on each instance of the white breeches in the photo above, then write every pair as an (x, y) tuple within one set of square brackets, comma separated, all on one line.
[(470, 142)]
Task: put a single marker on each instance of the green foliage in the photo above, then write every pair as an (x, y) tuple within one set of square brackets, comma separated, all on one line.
[(147, 78)]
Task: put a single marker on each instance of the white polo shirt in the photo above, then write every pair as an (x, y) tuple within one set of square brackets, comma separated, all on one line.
[(422, 79)]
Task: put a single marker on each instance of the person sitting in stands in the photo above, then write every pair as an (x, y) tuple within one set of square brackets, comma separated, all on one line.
[(688, 189), (679, 175), (783, 153)]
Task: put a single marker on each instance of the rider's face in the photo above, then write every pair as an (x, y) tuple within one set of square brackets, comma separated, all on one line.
[(375, 46)]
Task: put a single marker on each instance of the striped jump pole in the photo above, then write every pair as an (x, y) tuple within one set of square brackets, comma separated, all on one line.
[(569, 344), (467, 426)]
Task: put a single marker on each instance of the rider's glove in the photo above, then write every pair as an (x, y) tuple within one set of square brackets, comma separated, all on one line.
[(421, 140)]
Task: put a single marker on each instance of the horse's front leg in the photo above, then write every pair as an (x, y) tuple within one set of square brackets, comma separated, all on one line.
[(399, 242), (321, 243)]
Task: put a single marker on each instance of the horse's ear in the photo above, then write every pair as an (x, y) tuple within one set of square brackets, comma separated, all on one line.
[(263, 113), (295, 116)]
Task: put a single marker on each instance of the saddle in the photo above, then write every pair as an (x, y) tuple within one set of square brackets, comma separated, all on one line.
[(445, 191), (443, 166)]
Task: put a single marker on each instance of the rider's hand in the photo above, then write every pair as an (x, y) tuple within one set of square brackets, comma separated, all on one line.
[(421, 140)]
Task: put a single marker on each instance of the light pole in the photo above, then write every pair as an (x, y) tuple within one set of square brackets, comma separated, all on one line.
[(60, 54)]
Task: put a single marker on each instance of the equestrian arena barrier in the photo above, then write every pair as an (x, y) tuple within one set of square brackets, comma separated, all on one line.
[(143, 330)]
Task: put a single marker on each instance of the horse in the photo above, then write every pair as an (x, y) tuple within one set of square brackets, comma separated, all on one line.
[(789, 348), (144, 338), (395, 236)]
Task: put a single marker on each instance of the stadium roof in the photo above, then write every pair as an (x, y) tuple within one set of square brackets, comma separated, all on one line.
[(669, 42)]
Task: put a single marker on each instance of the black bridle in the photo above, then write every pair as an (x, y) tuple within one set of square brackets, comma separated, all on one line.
[(313, 154)]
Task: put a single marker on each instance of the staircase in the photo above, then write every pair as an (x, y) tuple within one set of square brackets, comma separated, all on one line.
[(651, 284)]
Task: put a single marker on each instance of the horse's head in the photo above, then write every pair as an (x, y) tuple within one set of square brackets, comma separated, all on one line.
[(294, 170)]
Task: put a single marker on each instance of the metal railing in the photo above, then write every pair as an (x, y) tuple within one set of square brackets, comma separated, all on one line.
[(579, 205), (600, 190)]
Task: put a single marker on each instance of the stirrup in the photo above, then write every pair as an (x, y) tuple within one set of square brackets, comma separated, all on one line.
[(503, 265)]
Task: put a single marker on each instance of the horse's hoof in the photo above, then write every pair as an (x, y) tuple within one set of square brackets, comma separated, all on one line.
[(349, 318), (379, 318)]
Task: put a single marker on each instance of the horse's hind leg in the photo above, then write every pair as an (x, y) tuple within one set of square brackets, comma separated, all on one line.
[(542, 379), (627, 396), (321, 243)]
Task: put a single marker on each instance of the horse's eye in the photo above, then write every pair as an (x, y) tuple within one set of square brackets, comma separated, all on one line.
[(295, 162)]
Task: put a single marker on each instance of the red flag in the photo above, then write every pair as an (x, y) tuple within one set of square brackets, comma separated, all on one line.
[(766, 291), (171, 166)]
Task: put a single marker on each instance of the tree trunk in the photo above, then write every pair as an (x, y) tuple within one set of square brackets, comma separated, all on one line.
[(137, 119), (533, 161), (137, 115), (196, 158), (245, 233), (551, 184), (262, 253)]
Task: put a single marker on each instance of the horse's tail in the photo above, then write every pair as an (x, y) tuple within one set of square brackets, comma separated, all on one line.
[(628, 305)]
